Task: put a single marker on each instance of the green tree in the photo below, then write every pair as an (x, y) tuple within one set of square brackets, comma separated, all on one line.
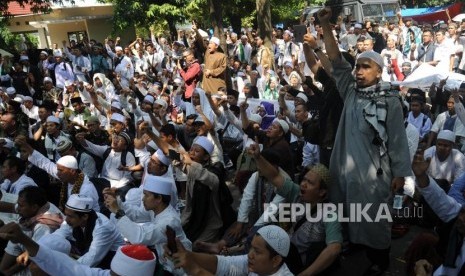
[(10, 40)]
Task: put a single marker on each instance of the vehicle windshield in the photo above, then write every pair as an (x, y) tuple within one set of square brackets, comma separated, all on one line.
[(379, 12)]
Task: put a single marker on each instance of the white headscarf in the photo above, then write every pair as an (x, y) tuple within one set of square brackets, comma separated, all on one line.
[(204, 103), (107, 86)]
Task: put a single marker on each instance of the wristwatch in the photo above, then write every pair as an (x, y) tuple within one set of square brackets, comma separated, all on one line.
[(119, 214)]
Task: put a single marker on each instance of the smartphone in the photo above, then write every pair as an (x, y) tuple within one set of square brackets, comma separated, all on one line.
[(171, 236), (299, 32), (174, 155)]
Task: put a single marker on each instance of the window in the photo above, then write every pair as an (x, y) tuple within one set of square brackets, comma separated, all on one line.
[(372, 11), (77, 36)]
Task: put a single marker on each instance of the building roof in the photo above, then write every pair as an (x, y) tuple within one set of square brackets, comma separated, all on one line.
[(15, 9)]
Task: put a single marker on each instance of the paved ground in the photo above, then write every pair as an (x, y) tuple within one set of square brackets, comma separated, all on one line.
[(356, 263)]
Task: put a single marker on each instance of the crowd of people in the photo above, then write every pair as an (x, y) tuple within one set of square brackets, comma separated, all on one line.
[(111, 150)]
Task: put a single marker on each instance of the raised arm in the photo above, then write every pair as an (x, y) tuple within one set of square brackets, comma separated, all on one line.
[(266, 169), (243, 107), (332, 49)]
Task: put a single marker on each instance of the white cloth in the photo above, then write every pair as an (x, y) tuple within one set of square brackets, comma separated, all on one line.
[(446, 208), (153, 233), (107, 87), (422, 123), (190, 108), (57, 263), (40, 230), (117, 178), (247, 201), (16, 187), (87, 165), (81, 65), (238, 266), (63, 72), (105, 238), (413, 138), (126, 70), (449, 169), (87, 188), (310, 154), (32, 113), (442, 53), (459, 128)]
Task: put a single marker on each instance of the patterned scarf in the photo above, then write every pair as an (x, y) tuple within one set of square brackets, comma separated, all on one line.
[(64, 190), (51, 220)]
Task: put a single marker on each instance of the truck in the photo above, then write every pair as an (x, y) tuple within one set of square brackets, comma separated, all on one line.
[(358, 10)]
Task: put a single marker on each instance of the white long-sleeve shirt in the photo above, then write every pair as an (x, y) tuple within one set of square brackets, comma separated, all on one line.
[(16, 187), (117, 178), (446, 208), (81, 64), (248, 198), (57, 263), (87, 188), (310, 154), (153, 233), (105, 238)]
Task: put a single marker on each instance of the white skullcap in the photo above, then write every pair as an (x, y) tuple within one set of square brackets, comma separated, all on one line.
[(302, 96), (18, 99), (152, 144), (63, 146), (358, 26), (118, 48), (374, 56), (276, 238), (53, 119), (178, 81), (241, 74), (23, 58), (351, 29), (149, 98), (116, 105), (44, 53), (68, 83), (446, 135), (56, 243), (289, 33), (27, 98), (46, 79), (162, 157), (204, 143), (284, 125), (68, 161), (244, 37), (10, 90), (288, 64), (143, 73), (255, 118), (157, 184), (215, 40), (79, 203), (162, 103), (57, 53), (134, 259), (118, 117)]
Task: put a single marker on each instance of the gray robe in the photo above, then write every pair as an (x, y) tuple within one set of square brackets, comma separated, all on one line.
[(355, 160)]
